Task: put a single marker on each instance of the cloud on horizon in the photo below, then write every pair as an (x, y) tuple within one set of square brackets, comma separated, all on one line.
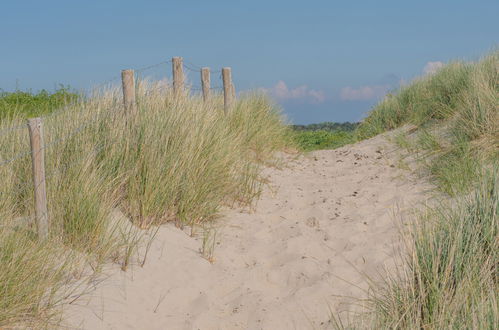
[(283, 93), (377, 91)]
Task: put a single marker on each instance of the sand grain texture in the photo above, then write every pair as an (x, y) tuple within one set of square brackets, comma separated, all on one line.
[(328, 218)]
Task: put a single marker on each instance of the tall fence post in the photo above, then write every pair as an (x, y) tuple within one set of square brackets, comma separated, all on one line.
[(178, 75), (128, 81), (38, 164), (228, 88), (205, 83)]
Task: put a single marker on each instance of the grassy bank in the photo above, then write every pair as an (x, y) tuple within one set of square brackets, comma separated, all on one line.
[(178, 159), (450, 276)]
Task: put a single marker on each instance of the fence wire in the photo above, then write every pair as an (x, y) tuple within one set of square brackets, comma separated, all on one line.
[(74, 132), (9, 129), (140, 70), (188, 65)]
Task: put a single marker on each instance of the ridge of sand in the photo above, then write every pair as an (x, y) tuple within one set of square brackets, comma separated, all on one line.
[(329, 220)]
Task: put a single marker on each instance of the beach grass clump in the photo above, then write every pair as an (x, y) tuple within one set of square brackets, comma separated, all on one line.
[(449, 276), (176, 159), (456, 112), (431, 97), (32, 278)]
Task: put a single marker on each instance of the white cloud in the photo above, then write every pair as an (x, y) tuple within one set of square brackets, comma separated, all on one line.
[(374, 92), (283, 93), (363, 93), (432, 67), (317, 96)]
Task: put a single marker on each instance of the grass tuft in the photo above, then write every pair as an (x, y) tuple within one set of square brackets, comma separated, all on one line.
[(449, 278), (178, 159)]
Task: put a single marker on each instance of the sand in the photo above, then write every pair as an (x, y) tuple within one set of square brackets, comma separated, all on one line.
[(326, 221)]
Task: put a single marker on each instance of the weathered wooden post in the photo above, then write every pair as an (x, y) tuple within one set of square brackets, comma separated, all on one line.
[(178, 75), (205, 83), (128, 82), (38, 164), (228, 89)]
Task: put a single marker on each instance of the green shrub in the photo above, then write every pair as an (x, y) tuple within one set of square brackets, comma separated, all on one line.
[(27, 104), (315, 140)]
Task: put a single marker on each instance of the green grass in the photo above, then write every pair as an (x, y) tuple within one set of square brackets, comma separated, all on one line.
[(450, 279), (456, 111), (449, 276), (327, 126), (177, 160), (316, 140), (27, 104)]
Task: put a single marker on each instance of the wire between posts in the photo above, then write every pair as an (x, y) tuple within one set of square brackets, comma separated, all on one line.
[(16, 157), (195, 68), (6, 130), (140, 70), (78, 129), (62, 169), (65, 167), (80, 98), (56, 141)]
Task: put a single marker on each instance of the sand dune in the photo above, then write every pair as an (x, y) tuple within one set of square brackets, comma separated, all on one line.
[(327, 220)]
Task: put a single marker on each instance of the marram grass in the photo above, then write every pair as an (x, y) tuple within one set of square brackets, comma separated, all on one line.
[(177, 159), (449, 275)]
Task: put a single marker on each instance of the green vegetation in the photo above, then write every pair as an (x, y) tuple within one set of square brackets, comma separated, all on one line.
[(325, 135), (456, 111), (450, 276), (315, 140), (327, 126), (27, 104), (178, 159), (450, 279)]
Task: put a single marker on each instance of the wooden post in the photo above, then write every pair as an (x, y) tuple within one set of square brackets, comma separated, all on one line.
[(228, 94), (128, 81), (205, 83), (178, 75), (38, 165)]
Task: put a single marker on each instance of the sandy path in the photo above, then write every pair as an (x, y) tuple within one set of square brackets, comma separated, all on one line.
[(328, 217)]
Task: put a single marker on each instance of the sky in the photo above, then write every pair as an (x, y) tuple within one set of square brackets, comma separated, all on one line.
[(320, 60)]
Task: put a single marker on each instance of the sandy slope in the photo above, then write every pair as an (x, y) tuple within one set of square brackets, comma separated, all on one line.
[(327, 218)]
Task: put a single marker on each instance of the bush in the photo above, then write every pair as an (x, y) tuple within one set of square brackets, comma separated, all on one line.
[(27, 104), (315, 140)]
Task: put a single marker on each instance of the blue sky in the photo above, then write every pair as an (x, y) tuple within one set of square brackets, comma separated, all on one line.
[(321, 60)]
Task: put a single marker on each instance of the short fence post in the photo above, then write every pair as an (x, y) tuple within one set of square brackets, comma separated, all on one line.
[(178, 75), (205, 83), (228, 88), (128, 81), (38, 164)]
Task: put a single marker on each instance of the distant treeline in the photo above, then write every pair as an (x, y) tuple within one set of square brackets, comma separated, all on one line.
[(327, 126)]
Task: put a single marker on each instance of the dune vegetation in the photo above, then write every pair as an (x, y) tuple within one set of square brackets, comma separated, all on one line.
[(31, 104), (112, 178), (179, 160), (450, 275), (327, 135)]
